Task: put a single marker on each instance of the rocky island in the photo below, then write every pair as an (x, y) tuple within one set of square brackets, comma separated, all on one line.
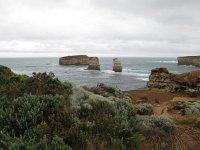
[(74, 60), (94, 63), (117, 66), (189, 60)]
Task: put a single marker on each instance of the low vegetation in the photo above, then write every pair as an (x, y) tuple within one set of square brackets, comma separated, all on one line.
[(41, 112), (160, 122), (143, 109), (186, 107)]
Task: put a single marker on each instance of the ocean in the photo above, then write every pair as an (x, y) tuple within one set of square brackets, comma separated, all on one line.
[(134, 76)]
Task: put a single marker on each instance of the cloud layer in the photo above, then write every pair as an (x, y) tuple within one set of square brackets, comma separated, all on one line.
[(165, 28)]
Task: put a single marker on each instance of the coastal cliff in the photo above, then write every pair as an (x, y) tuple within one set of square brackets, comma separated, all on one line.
[(74, 60), (189, 60), (160, 78)]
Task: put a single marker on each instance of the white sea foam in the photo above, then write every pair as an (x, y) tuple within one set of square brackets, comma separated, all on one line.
[(108, 71), (82, 69), (141, 74), (143, 79), (164, 61), (126, 72)]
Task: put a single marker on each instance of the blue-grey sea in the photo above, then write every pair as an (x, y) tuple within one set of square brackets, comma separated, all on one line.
[(134, 76)]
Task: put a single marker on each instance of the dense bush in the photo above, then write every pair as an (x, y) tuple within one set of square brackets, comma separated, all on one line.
[(19, 143), (192, 108), (24, 113), (143, 109), (111, 118), (43, 83), (41, 112), (13, 85), (187, 107), (21, 120), (113, 121), (160, 122)]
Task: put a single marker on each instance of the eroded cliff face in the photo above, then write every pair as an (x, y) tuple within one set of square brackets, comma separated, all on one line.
[(94, 63), (74, 60), (117, 66), (160, 78), (189, 60)]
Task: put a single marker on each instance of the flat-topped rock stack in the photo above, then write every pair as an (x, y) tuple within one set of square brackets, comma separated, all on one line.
[(94, 63), (74, 60), (160, 78), (189, 60), (117, 66)]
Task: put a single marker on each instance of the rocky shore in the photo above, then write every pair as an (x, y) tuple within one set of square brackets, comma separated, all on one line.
[(161, 79)]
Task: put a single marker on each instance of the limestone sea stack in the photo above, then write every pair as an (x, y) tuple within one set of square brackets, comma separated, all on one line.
[(94, 63), (189, 60), (74, 60), (117, 66), (160, 78)]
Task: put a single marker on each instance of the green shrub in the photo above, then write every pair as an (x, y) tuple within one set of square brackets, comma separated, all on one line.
[(160, 122), (56, 143), (112, 118), (143, 109), (110, 89), (26, 112), (187, 107), (79, 96), (191, 108), (43, 83), (14, 86), (18, 143)]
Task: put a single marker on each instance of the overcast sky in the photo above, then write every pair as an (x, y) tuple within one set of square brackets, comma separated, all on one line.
[(166, 28)]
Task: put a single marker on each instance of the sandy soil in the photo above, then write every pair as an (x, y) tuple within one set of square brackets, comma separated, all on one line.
[(151, 95), (188, 137)]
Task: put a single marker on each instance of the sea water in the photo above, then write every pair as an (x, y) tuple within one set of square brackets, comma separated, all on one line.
[(134, 76)]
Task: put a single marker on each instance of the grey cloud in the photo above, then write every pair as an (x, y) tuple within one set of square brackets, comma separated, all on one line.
[(103, 27)]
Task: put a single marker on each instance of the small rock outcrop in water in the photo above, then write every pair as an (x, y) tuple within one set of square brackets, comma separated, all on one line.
[(74, 60), (94, 63), (117, 65), (160, 78), (189, 60)]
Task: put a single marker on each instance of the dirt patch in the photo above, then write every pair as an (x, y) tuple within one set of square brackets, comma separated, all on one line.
[(152, 96), (186, 137)]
